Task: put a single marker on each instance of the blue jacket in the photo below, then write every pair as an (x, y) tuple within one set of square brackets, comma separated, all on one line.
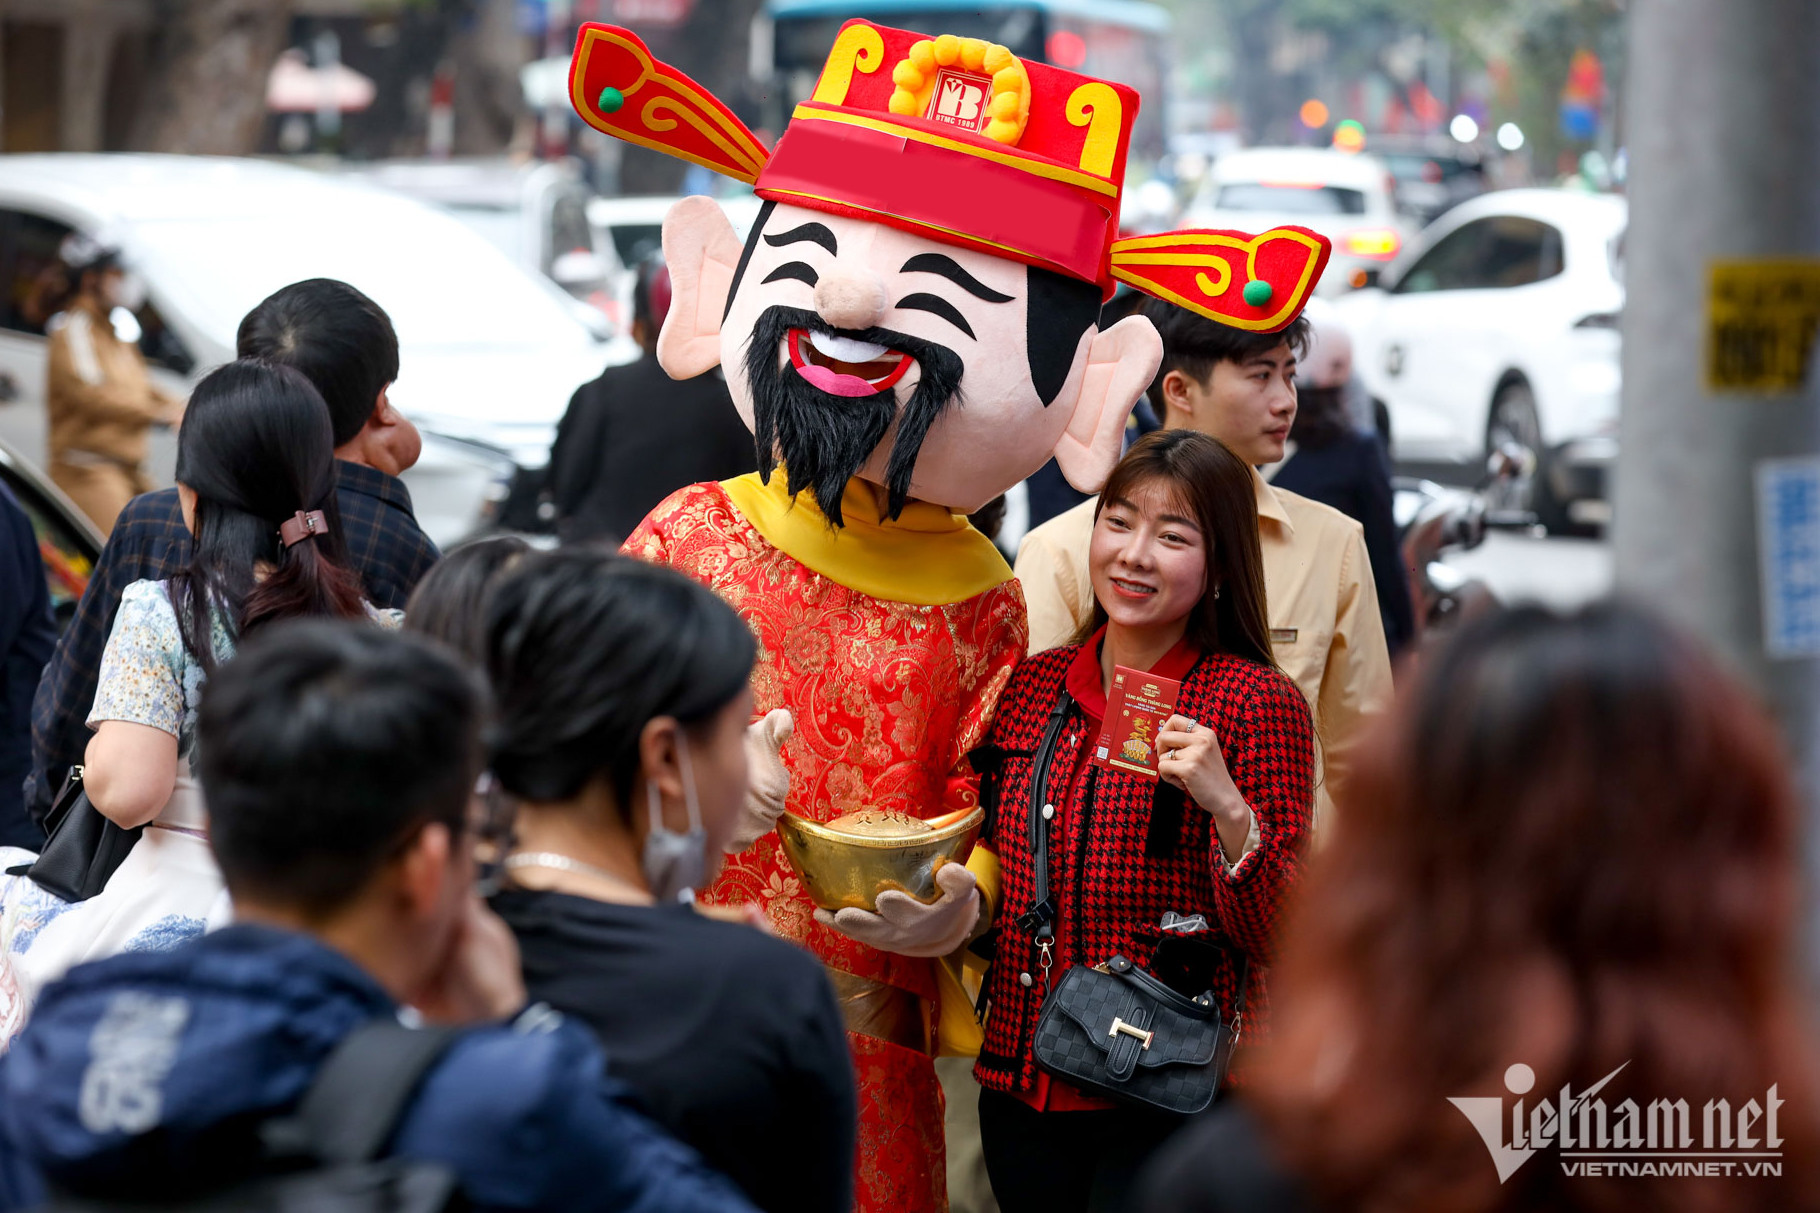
[(140, 1074)]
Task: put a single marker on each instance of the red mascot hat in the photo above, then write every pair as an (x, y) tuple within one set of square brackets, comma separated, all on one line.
[(958, 140)]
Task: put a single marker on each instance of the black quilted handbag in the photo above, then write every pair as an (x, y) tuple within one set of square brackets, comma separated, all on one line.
[(1114, 1029)]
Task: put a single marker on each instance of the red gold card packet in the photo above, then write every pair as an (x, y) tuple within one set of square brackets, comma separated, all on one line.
[(1135, 711)]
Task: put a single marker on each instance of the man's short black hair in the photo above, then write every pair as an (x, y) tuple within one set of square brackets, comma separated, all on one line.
[(322, 747), (342, 341), (1194, 345)]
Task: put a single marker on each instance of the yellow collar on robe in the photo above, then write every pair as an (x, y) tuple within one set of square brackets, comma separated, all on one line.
[(927, 556)]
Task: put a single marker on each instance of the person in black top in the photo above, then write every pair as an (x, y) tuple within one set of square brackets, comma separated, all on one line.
[(343, 343), (622, 716), (634, 436), (1337, 464), (27, 633)]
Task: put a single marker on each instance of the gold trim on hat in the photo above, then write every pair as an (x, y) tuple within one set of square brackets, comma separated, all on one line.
[(1173, 249), (745, 155), (859, 47), (1026, 163)]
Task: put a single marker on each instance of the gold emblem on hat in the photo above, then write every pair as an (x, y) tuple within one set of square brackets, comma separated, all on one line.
[(966, 82)]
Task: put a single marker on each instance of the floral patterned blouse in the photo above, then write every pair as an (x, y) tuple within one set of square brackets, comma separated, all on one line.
[(147, 675)]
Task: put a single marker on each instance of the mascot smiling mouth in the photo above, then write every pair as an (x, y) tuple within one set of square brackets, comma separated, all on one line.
[(842, 366), (826, 420)]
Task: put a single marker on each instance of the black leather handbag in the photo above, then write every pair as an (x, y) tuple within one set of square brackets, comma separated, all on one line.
[(1114, 1029), (84, 847)]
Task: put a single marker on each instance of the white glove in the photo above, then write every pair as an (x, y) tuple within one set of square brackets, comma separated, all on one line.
[(908, 927), (767, 779)]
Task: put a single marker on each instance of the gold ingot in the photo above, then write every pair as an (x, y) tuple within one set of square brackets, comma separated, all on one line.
[(848, 862)]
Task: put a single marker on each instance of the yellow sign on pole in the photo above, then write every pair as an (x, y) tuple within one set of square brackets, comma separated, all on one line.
[(1761, 318)]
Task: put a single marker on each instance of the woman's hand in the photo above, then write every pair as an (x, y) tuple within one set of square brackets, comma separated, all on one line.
[(1191, 760)]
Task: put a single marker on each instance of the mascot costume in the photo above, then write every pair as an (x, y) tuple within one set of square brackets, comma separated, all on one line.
[(910, 329)]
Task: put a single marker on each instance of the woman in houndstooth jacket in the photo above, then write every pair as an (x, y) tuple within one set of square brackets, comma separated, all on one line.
[(1179, 584)]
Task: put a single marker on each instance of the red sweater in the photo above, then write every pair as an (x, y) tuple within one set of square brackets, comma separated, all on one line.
[(1124, 849)]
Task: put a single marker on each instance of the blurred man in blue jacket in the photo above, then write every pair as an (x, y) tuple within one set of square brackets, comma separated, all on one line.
[(338, 762)]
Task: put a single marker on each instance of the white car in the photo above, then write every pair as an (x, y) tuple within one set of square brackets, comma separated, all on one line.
[(534, 213), (1494, 341), (629, 229), (489, 353), (1349, 198)]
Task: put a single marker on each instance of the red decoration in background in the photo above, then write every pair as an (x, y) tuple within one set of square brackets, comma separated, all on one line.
[(1585, 80), (1066, 48)]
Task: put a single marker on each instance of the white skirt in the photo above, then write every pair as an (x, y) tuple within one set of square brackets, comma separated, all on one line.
[(166, 892)]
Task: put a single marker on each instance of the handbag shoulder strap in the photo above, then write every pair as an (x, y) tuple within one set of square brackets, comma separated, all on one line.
[(1039, 919), (1238, 997)]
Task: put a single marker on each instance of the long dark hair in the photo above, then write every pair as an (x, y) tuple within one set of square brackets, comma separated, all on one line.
[(1217, 487), (255, 448), (1575, 846), (584, 648), (450, 602)]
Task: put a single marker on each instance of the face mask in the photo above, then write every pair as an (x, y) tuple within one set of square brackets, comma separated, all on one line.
[(674, 864)]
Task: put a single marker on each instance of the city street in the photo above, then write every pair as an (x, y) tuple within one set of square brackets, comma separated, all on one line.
[(771, 606), (1555, 571)]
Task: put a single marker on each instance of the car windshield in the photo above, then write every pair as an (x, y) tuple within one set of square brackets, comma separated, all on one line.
[(1290, 199), (442, 284)]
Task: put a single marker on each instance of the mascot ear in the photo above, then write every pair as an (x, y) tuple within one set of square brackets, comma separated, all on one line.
[(1120, 364), (703, 255)]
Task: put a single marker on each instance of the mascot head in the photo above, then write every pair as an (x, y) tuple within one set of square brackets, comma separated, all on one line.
[(918, 302)]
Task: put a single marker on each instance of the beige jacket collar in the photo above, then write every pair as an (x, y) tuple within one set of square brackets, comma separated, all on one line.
[(1270, 505)]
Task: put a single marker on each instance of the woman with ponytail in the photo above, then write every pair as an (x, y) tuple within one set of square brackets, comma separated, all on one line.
[(256, 478)]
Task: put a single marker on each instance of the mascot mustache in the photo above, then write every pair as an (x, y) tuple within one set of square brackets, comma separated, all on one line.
[(825, 438)]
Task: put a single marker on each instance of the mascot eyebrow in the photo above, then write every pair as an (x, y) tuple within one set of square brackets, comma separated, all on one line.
[(949, 268), (808, 231), (1071, 305)]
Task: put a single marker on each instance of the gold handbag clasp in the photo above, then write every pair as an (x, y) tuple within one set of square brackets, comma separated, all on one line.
[(1121, 1028)]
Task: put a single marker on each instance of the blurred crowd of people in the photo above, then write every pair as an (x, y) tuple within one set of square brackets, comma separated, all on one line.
[(464, 801)]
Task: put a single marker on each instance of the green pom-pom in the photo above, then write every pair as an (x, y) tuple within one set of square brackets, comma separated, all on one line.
[(610, 100), (1257, 292)]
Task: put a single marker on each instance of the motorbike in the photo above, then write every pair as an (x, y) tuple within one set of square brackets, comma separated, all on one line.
[(1434, 519)]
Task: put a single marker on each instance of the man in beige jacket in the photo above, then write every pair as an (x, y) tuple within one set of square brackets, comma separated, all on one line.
[(1325, 628)]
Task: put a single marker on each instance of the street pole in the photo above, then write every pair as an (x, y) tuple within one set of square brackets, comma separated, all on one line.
[(1723, 122)]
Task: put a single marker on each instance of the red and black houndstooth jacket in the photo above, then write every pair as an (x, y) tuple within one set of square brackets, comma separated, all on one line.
[(1123, 850)]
